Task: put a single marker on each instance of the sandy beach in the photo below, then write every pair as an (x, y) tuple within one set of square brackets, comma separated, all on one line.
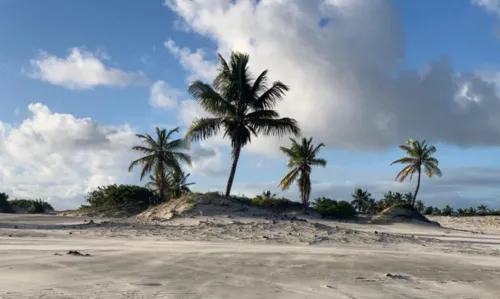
[(221, 257)]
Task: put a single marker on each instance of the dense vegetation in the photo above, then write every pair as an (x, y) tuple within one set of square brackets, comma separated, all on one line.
[(32, 206), (122, 196)]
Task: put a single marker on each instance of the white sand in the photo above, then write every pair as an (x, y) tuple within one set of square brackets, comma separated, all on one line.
[(245, 258)]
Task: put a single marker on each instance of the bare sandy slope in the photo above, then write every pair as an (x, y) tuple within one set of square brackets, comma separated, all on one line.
[(220, 257)]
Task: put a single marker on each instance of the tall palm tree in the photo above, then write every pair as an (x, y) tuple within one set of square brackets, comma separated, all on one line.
[(240, 106), (301, 158), (361, 199), (161, 155), (418, 155), (178, 183)]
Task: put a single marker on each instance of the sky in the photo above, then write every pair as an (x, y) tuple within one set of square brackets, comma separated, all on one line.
[(78, 80)]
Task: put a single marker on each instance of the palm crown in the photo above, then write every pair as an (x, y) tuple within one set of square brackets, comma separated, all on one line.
[(161, 155), (240, 106), (301, 158), (418, 155), (361, 199)]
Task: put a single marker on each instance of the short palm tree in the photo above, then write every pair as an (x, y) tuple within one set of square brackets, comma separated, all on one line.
[(241, 107), (301, 159), (482, 209), (361, 199), (418, 156), (419, 205), (160, 156), (178, 183)]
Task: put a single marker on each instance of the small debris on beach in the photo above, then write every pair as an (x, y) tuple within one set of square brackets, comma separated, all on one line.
[(77, 253)]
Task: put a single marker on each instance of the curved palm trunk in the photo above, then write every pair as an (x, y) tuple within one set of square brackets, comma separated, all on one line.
[(236, 157), (416, 190)]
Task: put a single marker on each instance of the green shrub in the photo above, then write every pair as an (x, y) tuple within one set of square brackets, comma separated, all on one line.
[(122, 196), (327, 207), (37, 207), (5, 206), (32, 206)]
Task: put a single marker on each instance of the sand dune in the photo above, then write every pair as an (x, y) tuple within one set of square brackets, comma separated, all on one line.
[(221, 257)]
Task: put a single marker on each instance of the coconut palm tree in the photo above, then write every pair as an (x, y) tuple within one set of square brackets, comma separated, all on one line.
[(240, 106), (161, 155), (178, 183), (419, 205), (418, 155), (301, 159), (361, 199), (482, 209)]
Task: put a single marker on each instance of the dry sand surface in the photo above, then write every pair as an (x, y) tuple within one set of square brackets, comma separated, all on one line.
[(246, 257)]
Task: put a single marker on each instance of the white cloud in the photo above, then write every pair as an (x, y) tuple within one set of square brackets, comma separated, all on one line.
[(209, 161), (80, 70), (489, 5), (61, 157), (195, 62), (348, 88), (163, 96)]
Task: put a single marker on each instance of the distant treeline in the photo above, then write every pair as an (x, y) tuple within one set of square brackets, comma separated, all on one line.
[(33, 206)]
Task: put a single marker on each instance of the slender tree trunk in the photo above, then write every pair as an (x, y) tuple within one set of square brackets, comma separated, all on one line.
[(236, 157), (416, 190)]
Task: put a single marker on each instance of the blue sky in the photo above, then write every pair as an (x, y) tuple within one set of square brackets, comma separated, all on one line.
[(129, 36)]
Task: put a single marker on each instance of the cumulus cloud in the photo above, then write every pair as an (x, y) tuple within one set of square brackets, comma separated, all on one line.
[(348, 87), (61, 157), (489, 5), (194, 62), (80, 70), (163, 96)]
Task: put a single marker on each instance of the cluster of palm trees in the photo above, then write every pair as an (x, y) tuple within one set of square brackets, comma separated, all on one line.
[(242, 107), (163, 157)]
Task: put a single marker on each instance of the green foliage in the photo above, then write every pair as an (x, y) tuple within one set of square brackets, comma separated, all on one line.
[(37, 207), (362, 200), (161, 155), (302, 156), (175, 184), (327, 207), (419, 156), (30, 205), (5, 206), (122, 196), (241, 106), (447, 211)]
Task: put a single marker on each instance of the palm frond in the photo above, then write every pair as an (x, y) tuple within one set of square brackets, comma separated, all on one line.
[(289, 178), (271, 96), (276, 127), (317, 162), (409, 169), (203, 128), (209, 99), (405, 160)]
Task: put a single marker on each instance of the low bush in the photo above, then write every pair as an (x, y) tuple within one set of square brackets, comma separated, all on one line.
[(31, 206), (5, 206), (327, 207), (123, 196)]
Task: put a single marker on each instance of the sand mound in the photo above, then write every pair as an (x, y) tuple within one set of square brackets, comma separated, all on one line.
[(400, 213), (216, 205), (202, 205), (113, 212)]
